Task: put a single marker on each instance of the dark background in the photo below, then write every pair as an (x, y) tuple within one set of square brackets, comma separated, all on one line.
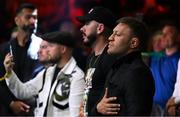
[(52, 13)]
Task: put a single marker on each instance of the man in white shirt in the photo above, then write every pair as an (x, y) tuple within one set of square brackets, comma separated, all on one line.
[(59, 88)]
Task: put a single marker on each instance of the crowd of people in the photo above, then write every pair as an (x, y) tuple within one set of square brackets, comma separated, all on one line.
[(42, 76)]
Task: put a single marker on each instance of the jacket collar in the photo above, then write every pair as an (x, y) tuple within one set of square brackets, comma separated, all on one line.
[(69, 67), (127, 58)]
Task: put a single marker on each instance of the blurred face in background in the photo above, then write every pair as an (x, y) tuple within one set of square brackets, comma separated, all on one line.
[(169, 36), (89, 32), (26, 20), (43, 56), (157, 42)]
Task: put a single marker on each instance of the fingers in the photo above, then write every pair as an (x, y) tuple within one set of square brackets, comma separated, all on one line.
[(106, 92), (113, 109), (170, 102), (7, 59), (19, 107), (81, 112), (8, 62), (107, 106), (110, 99), (172, 111), (111, 113), (8, 55), (171, 107), (113, 105), (24, 107)]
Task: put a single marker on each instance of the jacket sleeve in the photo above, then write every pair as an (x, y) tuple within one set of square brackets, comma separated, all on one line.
[(24, 90), (76, 93)]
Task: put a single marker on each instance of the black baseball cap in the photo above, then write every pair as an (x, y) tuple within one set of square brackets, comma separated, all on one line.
[(99, 14), (63, 38)]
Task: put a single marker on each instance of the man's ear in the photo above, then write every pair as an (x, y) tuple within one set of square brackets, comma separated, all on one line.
[(16, 20), (100, 28), (134, 43), (63, 48)]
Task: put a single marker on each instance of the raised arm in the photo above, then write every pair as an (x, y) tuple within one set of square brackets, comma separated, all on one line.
[(21, 90)]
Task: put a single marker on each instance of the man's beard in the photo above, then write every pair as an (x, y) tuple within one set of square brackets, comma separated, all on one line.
[(91, 40), (54, 60), (28, 28), (45, 62)]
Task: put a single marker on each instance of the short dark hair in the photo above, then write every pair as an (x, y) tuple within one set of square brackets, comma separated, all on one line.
[(171, 22), (138, 29), (25, 5)]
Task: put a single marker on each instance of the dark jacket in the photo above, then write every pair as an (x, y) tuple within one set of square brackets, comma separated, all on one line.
[(102, 65), (131, 81)]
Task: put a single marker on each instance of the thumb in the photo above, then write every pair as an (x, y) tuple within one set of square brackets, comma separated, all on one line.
[(25, 105), (106, 92)]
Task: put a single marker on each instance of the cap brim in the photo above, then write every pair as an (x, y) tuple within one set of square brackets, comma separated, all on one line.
[(44, 36), (83, 19), (48, 37)]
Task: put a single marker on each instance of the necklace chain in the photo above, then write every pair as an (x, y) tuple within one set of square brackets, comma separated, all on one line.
[(91, 63), (91, 60)]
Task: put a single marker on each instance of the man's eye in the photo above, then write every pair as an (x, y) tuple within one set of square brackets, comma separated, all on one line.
[(35, 17), (29, 16), (117, 34)]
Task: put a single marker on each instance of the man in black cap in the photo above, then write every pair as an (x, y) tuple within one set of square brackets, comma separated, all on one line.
[(98, 24), (59, 88)]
